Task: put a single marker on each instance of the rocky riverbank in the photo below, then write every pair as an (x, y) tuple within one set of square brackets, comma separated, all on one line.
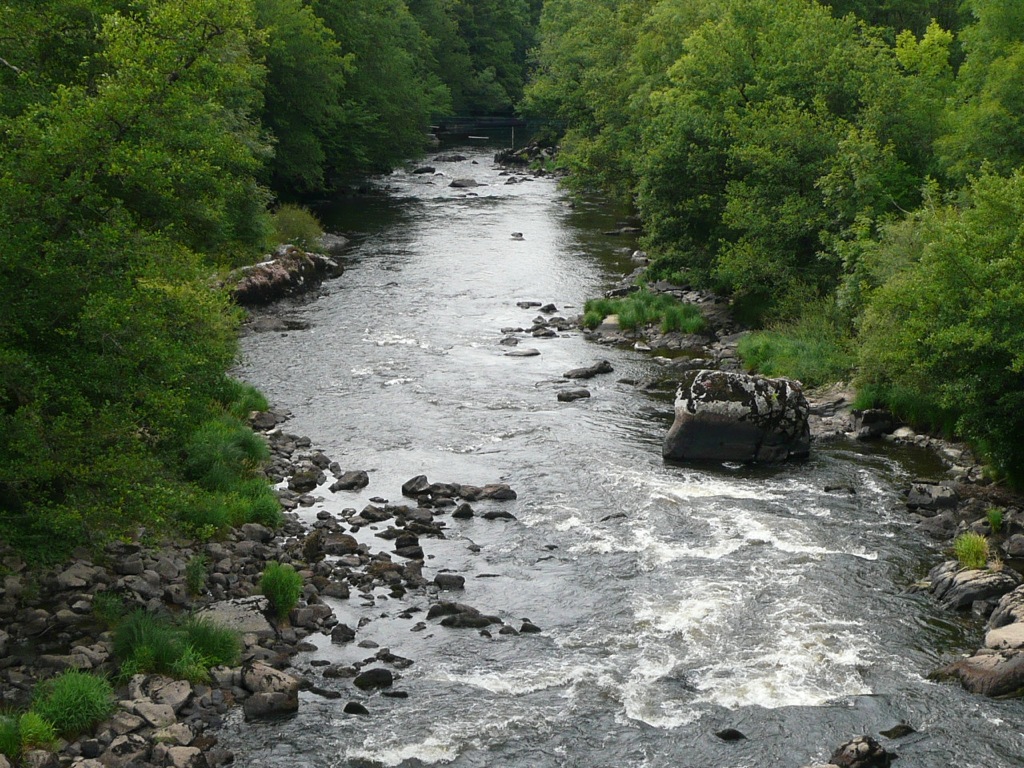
[(50, 621)]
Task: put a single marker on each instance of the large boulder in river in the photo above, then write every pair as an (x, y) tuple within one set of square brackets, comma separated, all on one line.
[(728, 416)]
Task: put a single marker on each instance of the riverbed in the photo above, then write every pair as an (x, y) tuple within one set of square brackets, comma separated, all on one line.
[(674, 602)]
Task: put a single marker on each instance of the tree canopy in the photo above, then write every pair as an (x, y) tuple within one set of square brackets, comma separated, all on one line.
[(797, 155), (143, 145)]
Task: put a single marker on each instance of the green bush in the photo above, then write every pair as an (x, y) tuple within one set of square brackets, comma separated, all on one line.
[(642, 308), (295, 225), (74, 701), (971, 550), (10, 737), (217, 645), (815, 348), (282, 586), (146, 643), (36, 732), (946, 328), (994, 515), (195, 574)]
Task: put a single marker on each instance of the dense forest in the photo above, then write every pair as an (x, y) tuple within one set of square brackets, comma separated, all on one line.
[(847, 172), (144, 145)]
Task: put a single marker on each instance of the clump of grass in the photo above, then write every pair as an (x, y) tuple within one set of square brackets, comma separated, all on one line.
[(10, 737), (73, 702), (241, 399), (282, 587), (146, 643), (195, 574), (217, 645), (814, 348), (642, 308), (108, 607), (36, 732), (295, 225), (994, 515), (971, 550)]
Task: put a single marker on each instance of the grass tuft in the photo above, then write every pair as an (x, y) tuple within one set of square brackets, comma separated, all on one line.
[(36, 732), (74, 701), (971, 550), (642, 308), (994, 515), (282, 586), (146, 643), (10, 737)]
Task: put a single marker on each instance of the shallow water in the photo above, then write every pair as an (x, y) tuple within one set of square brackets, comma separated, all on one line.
[(674, 601)]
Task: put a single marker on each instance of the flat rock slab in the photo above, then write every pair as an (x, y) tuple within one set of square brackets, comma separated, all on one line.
[(244, 615), (1005, 638), (590, 372), (958, 589), (989, 673), (525, 352)]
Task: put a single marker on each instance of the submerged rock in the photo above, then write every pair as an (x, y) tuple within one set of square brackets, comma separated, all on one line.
[(728, 416)]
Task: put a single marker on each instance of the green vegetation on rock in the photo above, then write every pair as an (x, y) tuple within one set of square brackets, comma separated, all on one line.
[(73, 702), (971, 550), (282, 587), (642, 308)]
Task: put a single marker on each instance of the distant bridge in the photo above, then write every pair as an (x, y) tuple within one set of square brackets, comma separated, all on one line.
[(465, 125)]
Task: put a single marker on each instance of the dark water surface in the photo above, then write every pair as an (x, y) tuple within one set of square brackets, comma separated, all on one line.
[(674, 602)]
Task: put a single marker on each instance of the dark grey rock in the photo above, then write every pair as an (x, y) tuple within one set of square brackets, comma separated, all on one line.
[(588, 373), (861, 752), (571, 395), (371, 679), (351, 481), (727, 416), (929, 498), (451, 581)]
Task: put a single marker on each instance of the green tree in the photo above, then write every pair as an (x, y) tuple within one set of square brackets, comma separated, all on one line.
[(303, 94), (117, 195), (942, 340), (986, 123)]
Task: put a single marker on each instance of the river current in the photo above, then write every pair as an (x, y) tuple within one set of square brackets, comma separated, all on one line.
[(674, 601)]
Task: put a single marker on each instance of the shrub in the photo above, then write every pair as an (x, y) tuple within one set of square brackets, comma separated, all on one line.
[(814, 348), (214, 643), (222, 452), (74, 701), (971, 550), (296, 225), (282, 586), (642, 308), (994, 515), (36, 732), (146, 643), (10, 737), (195, 574), (108, 608)]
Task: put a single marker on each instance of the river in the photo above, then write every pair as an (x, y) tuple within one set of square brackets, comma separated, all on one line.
[(674, 601)]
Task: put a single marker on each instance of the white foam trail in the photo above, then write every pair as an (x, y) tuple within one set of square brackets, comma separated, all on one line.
[(432, 749)]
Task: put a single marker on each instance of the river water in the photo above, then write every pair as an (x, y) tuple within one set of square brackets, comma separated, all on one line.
[(674, 601)]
